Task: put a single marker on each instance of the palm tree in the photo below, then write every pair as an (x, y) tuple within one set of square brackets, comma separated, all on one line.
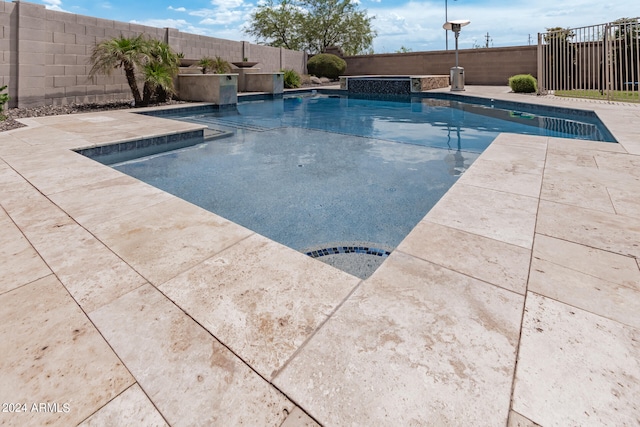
[(154, 59), (162, 52), (163, 65), (221, 66), (205, 63), (217, 65), (158, 81), (121, 52)]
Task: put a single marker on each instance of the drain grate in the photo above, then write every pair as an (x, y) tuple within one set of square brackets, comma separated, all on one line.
[(348, 250)]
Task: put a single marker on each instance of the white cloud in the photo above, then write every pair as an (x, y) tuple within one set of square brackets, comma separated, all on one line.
[(224, 13), (227, 4), (224, 17), (53, 5), (177, 9), (179, 24), (418, 25)]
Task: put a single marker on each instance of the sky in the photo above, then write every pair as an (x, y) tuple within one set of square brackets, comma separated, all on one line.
[(414, 25)]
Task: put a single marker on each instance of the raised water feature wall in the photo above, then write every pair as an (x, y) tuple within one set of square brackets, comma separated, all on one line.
[(220, 89), (392, 85)]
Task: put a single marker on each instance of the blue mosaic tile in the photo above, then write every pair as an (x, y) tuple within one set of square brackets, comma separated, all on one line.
[(379, 85), (114, 153), (91, 152), (128, 146), (143, 143), (108, 149)]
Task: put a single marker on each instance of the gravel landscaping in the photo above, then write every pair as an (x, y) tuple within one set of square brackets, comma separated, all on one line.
[(12, 114)]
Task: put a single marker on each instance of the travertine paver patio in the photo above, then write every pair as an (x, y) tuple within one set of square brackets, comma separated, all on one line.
[(515, 301)]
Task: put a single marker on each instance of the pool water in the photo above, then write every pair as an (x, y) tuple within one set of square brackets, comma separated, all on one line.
[(344, 180)]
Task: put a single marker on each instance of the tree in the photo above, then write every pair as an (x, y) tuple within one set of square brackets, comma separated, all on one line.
[(625, 41), (217, 65), (154, 60), (160, 68), (313, 25), (158, 83), (205, 63), (277, 25)]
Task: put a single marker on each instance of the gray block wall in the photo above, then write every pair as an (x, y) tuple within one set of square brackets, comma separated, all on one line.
[(489, 66), (8, 47), (45, 54)]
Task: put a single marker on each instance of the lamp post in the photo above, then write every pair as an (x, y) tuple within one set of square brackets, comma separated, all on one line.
[(457, 73), (446, 19)]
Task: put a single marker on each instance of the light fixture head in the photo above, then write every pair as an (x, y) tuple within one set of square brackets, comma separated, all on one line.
[(456, 25)]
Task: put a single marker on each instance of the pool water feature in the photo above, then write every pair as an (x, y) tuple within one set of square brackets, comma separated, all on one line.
[(390, 85), (381, 85), (343, 180)]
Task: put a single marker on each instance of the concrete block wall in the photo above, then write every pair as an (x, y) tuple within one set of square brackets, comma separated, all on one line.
[(490, 66), (268, 57), (194, 46), (8, 30), (294, 60), (45, 55), (71, 39)]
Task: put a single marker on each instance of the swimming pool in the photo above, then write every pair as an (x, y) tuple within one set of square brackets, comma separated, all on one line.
[(342, 179)]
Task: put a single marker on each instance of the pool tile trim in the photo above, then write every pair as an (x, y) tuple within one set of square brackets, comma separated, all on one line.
[(122, 151)]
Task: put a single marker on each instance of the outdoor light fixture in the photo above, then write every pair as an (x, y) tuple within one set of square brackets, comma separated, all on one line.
[(457, 73)]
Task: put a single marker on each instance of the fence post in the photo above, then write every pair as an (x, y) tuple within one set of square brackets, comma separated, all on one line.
[(608, 62), (540, 67)]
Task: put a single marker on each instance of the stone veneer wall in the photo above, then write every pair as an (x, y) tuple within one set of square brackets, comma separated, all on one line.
[(44, 54), (489, 66)]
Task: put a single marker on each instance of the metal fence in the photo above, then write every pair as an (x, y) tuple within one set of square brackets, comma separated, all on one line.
[(599, 61)]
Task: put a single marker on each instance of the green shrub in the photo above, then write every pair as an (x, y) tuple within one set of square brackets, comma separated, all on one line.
[(216, 65), (326, 65), (221, 66), (4, 98), (523, 83), (291, 79)]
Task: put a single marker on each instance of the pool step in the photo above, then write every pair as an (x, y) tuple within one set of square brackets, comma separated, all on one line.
[(212, 134), (218, 122)]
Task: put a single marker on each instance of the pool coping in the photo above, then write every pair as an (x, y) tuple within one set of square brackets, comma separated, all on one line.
[(44, 194)]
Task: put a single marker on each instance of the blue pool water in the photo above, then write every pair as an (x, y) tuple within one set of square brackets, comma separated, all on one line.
[(328, 175), (419, 121)]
